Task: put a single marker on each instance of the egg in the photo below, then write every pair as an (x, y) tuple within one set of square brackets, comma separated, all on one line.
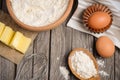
[(105, 47), (99, 20)]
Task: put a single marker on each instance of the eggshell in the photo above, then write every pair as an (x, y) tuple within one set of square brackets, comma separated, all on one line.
[(99, 20), (105, 47)]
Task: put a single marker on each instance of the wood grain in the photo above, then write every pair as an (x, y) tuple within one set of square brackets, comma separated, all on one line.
[(24, 70), (117, 64), (60, 48), (7, 68), (41, 58)]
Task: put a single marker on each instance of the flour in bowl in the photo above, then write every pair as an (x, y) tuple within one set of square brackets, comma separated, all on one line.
[(39, 12)]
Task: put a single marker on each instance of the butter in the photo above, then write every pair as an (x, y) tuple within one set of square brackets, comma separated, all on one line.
[(7, 35), (2, 27), (16, 39), (23, 44), (20, 42)]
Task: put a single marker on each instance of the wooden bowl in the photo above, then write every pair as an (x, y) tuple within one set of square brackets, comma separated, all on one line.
[(41, 28), (90, 55)]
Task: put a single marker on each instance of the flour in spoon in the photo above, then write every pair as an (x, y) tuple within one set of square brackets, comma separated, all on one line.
[(39, 12), (83, 65)]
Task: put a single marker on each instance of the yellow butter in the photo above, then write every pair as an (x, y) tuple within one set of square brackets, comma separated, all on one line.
[(16, 39), (2, 27), (20, 42), (7, 35), (24, 44)]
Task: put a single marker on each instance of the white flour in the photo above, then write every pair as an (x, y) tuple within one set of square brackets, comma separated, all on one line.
[(83, 65), (39, 12), (64, 72), (101, 64), (103, 73)]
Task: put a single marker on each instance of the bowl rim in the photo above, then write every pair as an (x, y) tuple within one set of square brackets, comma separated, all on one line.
[(41, 28)]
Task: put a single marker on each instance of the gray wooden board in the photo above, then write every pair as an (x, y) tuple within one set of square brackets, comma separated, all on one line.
[(24, 70), (60, 47), (7, 68), (50, 51), (117, 64), (41, 56)]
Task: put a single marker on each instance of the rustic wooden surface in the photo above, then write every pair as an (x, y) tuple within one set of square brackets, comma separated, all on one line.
[(50, 51), (12, 54)]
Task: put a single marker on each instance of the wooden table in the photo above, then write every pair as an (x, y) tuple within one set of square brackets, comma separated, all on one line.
[(50, 51)]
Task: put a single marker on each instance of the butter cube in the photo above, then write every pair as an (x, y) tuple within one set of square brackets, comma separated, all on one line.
[(16, 39), (7, 35), (2, 27), (20, 42), (23, 44)]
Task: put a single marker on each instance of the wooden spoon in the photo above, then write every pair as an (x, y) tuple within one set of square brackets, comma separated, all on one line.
[(97, 77)]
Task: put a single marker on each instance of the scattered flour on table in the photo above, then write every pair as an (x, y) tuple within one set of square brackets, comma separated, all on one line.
[(101, 64), (103, 73), (58, 58), (64, 72)]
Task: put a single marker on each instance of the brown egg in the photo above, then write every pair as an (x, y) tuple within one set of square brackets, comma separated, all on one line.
[(99, 20), (105, 47)]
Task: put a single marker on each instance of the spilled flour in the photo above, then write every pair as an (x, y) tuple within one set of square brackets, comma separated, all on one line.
[(103, 73), (64, 72), (101, 64)]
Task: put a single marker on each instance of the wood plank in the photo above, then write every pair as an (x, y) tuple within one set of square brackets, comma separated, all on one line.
[(7, 68), (41, 58), (25, 68), (108, 66), (117, 64), (60, 48), (81, 40), (32, 66)]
